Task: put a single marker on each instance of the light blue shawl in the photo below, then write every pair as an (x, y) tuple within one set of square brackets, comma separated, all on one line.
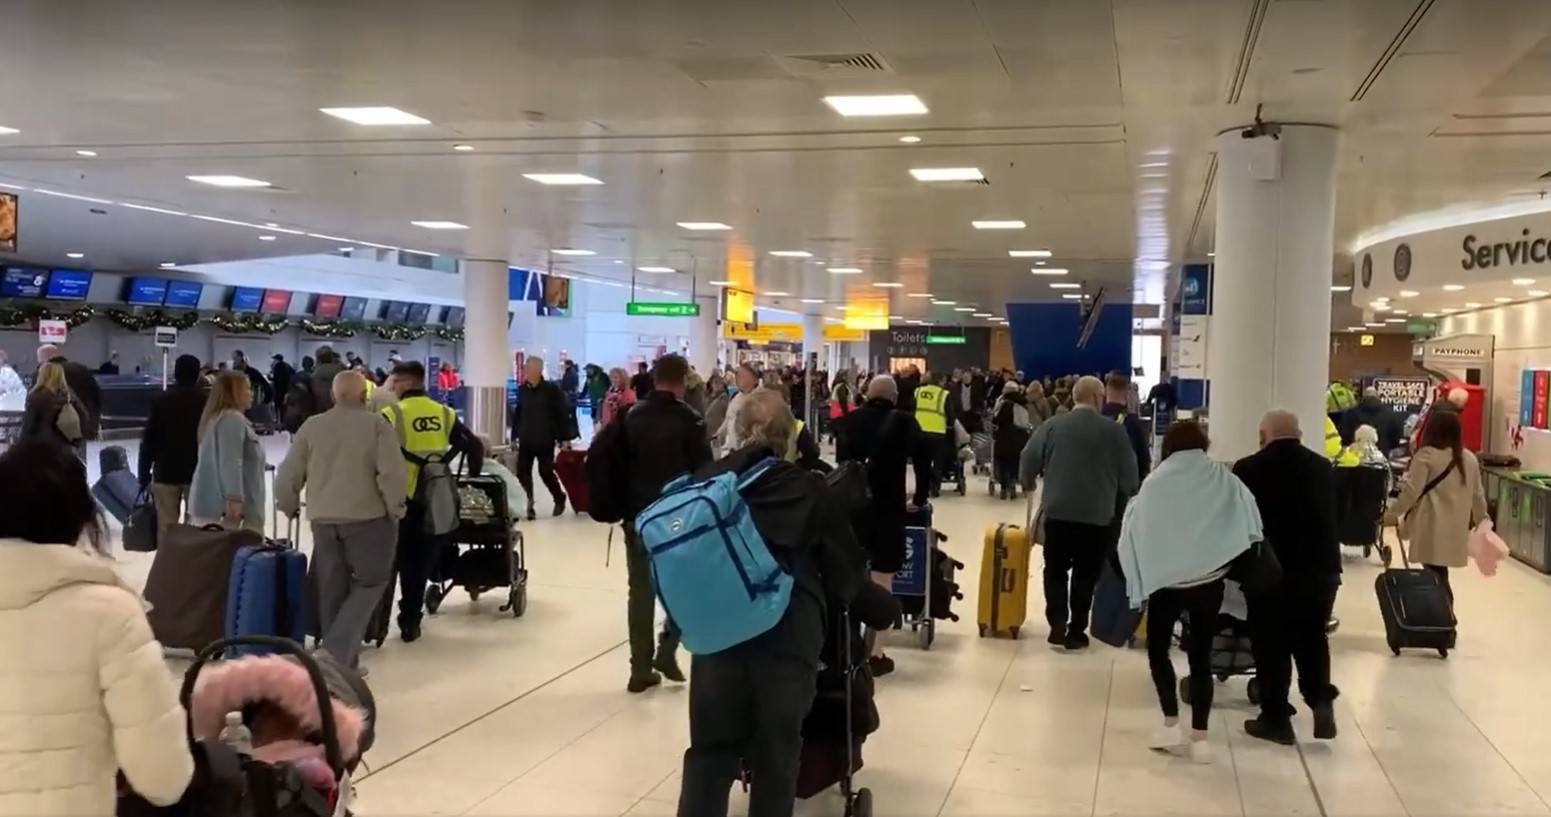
[(1191, 517)]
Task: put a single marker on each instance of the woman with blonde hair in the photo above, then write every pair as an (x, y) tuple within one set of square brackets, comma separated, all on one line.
[(228, 487), (620, 396), (53, 412)]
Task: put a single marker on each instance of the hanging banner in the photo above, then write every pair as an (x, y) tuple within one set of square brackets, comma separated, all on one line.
[(1407, 395)]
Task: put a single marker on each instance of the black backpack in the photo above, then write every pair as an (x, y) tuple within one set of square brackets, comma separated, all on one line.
[(608, 474), (301, 402)]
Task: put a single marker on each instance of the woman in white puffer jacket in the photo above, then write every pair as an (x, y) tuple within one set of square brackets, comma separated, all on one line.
[(84, 692)]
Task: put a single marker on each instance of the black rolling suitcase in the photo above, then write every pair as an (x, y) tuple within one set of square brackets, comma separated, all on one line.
[(1418, 613)]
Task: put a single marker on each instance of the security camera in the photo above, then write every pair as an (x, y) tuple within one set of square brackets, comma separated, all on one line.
[(1261, 128)]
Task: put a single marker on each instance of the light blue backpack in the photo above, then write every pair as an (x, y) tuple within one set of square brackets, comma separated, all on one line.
[(712, 570)]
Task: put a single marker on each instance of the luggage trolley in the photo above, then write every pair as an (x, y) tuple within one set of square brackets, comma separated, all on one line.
[(485, 552), (915, 578), (822, 766)]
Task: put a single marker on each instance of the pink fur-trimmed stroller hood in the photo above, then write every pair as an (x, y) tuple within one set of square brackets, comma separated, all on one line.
[(228, 686)]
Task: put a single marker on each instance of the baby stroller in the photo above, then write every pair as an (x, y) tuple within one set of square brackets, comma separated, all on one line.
[(1361, 495), (310, 720), (1232, 649), (486, 550)]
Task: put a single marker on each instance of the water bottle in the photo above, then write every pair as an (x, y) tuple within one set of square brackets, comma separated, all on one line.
[(236, 734)]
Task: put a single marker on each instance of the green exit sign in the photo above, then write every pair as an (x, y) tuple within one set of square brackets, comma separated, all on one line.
[(663, 310), (946, 340)]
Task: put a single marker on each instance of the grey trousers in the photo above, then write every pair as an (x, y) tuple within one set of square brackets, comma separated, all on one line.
[(353, 562)]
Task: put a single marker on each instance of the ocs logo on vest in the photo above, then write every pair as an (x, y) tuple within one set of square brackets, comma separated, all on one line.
[(423, 424)]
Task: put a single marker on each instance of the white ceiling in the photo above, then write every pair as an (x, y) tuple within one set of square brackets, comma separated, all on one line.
[(688, 110)]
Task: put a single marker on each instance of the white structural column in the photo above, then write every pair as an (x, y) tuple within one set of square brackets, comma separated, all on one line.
[(486, 357), (812, 355), (704, 335), (1269, 345)]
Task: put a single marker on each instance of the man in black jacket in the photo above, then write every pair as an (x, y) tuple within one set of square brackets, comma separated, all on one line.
[(1294, 488), (83, 383), (1117, 392), (887, 440), (663, 438), (169, 449), (541, 419), (747, 703), (281, 374), (641, 383), (1372, 411)]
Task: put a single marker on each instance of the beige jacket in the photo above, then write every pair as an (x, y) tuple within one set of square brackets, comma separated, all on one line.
[(1437, 526), (86, 690), (350, 463)]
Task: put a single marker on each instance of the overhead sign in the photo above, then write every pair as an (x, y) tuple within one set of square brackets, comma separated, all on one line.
[(1404, 394), (737, 306), (785, 333), (1190, 358), (165, 337), (53, 331), (946, 340), (662, 310), (1196, 289)]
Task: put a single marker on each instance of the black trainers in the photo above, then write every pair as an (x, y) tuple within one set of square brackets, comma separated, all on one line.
[(667, 663), (1324, 721), (639, 684), (1076, 641), (881, 665), (531, 515), (1057, 636), (1280, 733), (560, 506), (409, 631)]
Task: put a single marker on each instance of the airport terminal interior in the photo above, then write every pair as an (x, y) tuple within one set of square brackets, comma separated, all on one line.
[(1330, 208)]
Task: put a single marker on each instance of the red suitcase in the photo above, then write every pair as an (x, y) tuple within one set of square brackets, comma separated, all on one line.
[(571, 467)]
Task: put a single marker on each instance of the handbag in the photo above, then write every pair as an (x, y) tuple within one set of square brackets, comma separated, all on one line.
[(1257, 569), (141, 527), (848, 485)]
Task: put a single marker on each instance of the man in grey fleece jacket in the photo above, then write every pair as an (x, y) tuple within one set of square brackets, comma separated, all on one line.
[(1087, 463), (348, 458)]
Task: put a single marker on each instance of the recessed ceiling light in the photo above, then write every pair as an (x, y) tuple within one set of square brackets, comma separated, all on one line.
[(947, 174), (1539, 293), (877, 105), (1501, 300), (75, 255), (720, 283), (1452, 287), (1341, 288), (843, 307), (1029, 253), (1429, 314), (1472, 305), (562, 179), (347, 249), (90, 154), (4, 131), (1211, 255), (1394, 320), (982, 314), (440, 225), (943, 303), (1049, 271), (1409, 293), (999, 224), (896, 317), (1380, 307), (777, 294), (463, 148), (656, 269), (168, 264), (1064, 285), (1153, 164), (1523, 282), (704, 225), (910, 140), (1401, 312), (376, 115), (1072, 296), (919, 295), (266, 238), (845, 270), (1040, 263), (791, 253), (963, 309), (569, 251), (888, 284), (1374, 325), (226, 180)]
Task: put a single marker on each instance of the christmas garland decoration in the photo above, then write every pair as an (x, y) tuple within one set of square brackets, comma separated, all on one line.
[(330, 329), (243, 324), (450, 333), (398, 331), (12, 316), (152, 319)]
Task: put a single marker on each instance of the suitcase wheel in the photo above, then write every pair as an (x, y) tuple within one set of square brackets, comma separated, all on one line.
[(433, 598), (1443, 652), (1394, 648), (928, 634)]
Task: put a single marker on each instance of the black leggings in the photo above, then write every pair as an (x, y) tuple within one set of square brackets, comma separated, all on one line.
[(1201, 603)]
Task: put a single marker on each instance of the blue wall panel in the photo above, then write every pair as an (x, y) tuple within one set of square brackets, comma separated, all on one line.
[(1044, 340)]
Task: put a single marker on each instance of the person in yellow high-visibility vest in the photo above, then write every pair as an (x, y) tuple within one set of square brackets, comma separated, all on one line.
[(425, 427), (1332, 440), (932, 415)]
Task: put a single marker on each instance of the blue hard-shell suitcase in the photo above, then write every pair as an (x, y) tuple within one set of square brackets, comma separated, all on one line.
[(265, 594)]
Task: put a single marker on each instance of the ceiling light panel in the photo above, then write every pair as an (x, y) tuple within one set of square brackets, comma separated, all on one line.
[(4, 131), (888, 285), (1060, 285), (845, 270), (561, 179), (947, 174), (656, 269), (376, 116), (791, 253), (877, 105), (1028, 253), (998, 224), (1049, 271), (440, 225), (704, 225), (227, 180), (569, 251)]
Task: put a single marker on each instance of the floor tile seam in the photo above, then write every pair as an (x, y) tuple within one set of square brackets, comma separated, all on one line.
[(1395, 790), (540, 762), (1233, 760), (990, 705), (1098, 768), (1308, 774), (1499, 752), (494, 710)]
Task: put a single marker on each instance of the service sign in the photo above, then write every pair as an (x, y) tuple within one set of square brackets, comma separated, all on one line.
[(1407, 395), (52, 331), (165, 337)]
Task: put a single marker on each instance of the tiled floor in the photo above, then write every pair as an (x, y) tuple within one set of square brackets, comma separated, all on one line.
[(494, 716)]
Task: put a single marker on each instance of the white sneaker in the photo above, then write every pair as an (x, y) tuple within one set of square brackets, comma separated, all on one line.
[(1167, 739), (1201, 752)]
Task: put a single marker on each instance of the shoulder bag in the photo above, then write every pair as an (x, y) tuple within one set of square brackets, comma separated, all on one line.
[(1403, 529)]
